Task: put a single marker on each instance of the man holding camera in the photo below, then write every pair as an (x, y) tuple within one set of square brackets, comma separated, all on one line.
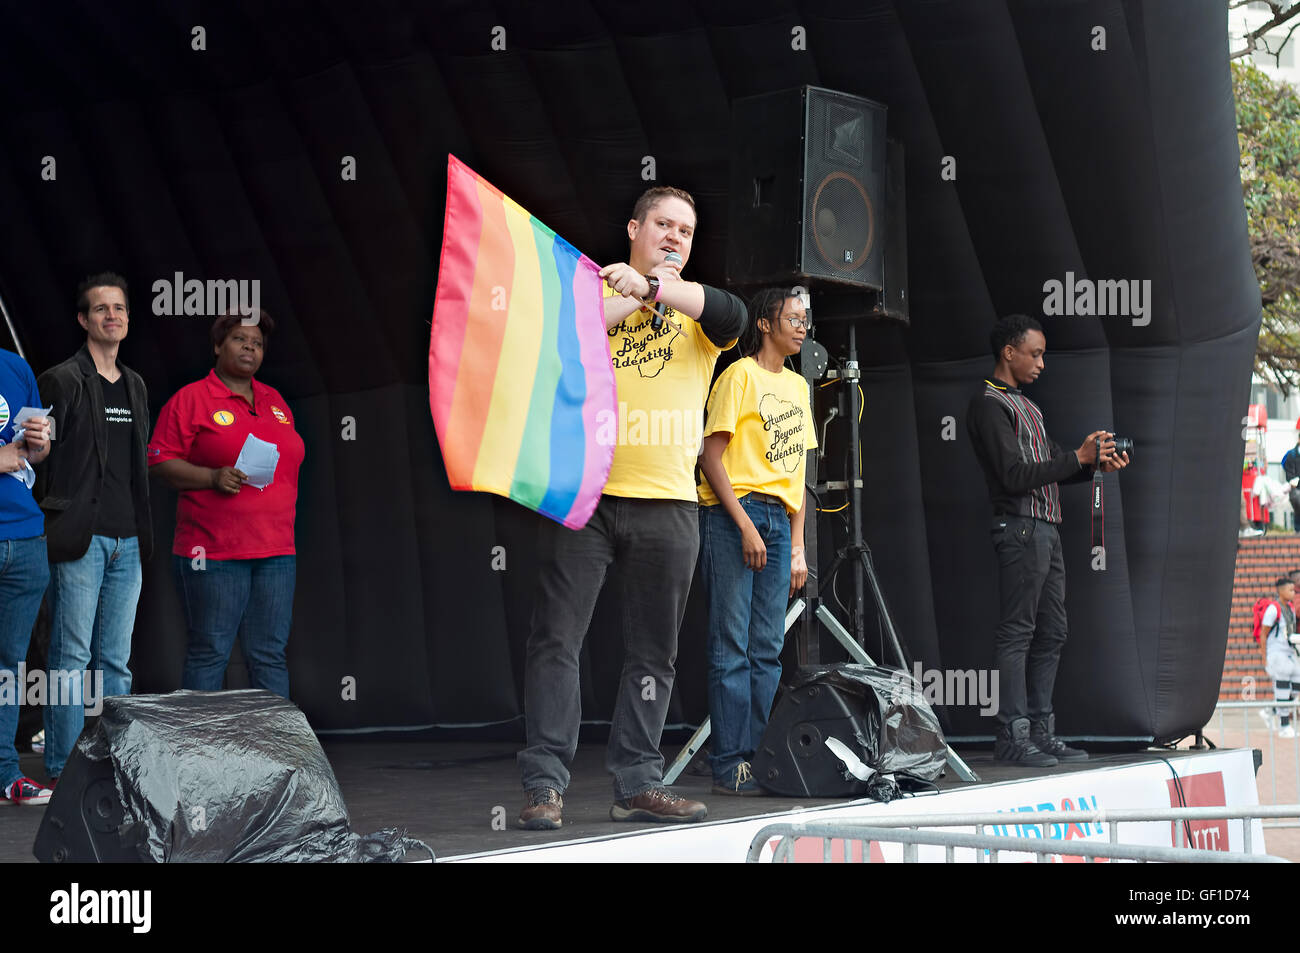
[(1022, 467)]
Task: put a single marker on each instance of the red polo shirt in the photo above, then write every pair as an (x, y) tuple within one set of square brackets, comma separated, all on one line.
[(205, 424)]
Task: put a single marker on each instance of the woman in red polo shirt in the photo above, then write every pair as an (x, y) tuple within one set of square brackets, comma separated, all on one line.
[(233, 550)]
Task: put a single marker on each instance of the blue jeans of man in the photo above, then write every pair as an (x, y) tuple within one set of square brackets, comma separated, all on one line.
[(24, 574), (251, 599), (92, 616), (652, 544), (746, 627)]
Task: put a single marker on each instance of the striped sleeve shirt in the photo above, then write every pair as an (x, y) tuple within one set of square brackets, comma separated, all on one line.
[(1021, 463)]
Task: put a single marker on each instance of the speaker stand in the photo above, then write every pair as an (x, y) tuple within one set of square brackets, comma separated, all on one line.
[(858, 555)]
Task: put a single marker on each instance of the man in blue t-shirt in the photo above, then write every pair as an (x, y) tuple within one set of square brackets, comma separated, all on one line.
[(23, 569)]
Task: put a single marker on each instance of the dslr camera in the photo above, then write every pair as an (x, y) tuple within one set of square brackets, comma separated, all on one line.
[(1122, 445)]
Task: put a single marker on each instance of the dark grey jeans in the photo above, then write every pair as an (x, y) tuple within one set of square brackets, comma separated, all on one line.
[(652, 544), (1031, 635)]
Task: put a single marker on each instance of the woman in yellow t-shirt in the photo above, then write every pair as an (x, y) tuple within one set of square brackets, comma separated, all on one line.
[(758, 431)]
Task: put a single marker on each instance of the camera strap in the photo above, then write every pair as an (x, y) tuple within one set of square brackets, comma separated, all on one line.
[(1098, 522)]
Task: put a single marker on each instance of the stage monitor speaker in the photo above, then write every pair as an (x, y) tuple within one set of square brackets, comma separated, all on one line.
[(83, 820), (793, 758), (201, 776), (808, 190)]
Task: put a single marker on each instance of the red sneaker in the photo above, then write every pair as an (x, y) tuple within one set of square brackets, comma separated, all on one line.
[(27, 791)]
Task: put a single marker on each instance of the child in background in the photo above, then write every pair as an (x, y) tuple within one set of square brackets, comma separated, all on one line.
[(752, 497), (1278, 639)]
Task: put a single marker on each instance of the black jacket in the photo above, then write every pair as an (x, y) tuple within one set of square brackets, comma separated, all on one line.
[(69, 480), (1022, 464)]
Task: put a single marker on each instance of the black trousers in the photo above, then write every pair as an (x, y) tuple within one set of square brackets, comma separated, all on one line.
[(653, 545), (1033, 626)]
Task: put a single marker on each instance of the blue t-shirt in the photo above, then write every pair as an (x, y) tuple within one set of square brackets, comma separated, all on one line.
[(20, 517)]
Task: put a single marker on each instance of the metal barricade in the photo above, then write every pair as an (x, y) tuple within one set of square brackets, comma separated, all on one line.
[(1238, 725), (907, 831)]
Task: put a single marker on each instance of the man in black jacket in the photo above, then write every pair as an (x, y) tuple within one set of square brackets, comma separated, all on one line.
[(94, 490), (1022, 466)]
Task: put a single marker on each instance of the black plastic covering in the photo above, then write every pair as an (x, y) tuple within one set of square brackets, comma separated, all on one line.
[(901, 733), (1095, 137), (242, 781)]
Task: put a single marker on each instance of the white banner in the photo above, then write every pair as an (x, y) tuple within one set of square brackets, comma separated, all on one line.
[(1217, 779)]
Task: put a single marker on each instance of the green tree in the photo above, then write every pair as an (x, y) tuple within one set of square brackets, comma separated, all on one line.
[(1268, 131)]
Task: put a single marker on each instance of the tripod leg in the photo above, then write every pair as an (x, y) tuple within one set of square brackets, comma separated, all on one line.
[(856, 652), (692, 747), (870, 569)]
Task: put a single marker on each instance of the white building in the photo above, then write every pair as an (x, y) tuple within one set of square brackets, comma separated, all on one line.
[(1282, 417), (1278, 58)]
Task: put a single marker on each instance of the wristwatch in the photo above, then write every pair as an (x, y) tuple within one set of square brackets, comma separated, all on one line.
[(653, 295)]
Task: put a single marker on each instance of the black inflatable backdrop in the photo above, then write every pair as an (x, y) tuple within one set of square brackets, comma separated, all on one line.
[(226, 162)]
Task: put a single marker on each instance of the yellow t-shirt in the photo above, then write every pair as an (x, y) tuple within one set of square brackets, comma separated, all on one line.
[(770, 421), (663, 377)]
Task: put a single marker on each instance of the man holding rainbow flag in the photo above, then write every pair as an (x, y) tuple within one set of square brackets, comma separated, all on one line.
[(665, 335)]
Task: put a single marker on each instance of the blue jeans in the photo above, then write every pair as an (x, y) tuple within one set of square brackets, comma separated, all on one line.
[(746, 627), (251, 598), (92, 615), (24, 573)]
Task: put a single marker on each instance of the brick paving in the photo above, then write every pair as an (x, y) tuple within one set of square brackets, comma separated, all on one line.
[(1260, 562)]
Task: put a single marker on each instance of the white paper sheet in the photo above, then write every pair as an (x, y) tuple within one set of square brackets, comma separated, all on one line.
[(257, 461), (27, 476)]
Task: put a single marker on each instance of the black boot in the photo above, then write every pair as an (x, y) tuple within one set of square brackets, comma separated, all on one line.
[(1014, 745), (1043, 735)]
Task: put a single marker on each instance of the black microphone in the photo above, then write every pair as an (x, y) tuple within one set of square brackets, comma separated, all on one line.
[(656, 322)]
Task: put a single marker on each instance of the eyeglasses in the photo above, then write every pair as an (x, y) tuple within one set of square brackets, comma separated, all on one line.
[(804, 323)]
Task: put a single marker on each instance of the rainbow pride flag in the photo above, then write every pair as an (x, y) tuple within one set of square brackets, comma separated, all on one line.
[(519, 368)]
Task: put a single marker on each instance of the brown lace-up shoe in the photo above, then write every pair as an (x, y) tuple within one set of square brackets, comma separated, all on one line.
[(659, 805), (542, 810)]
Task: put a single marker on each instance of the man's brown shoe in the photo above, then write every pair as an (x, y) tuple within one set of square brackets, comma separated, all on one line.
[(659, 805), (542, 809)]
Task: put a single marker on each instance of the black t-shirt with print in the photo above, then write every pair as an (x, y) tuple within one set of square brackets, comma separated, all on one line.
[(116, 515)]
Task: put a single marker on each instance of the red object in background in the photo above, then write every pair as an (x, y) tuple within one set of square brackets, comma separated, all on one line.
[(1257, 416), (811, 850), (1200, 790), (1255, 512)]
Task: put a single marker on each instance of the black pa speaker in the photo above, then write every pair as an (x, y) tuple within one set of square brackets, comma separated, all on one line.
[(84, 821), (893, 302), (199, 777), (808, 190), (793, 758)]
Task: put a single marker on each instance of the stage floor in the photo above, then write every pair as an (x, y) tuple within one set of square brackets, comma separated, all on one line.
[(457, 797)]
